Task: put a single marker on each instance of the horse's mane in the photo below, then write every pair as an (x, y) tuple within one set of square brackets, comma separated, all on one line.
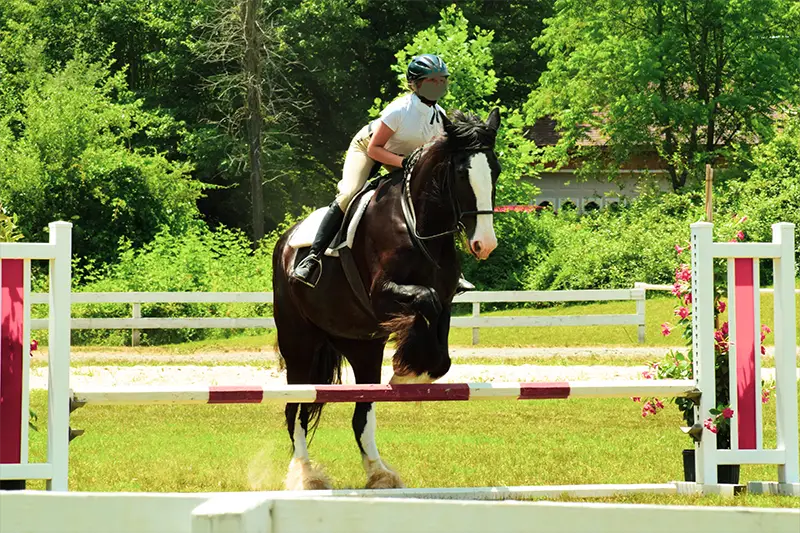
[(466, 132)]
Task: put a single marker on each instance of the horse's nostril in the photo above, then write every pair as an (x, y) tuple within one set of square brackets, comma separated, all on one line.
[(477, 247)]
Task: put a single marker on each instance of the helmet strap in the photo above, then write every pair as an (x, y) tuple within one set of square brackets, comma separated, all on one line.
[(425, 100)]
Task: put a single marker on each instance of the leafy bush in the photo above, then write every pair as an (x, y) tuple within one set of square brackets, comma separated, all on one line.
[(197, 261), (613, 248), (66, 155)]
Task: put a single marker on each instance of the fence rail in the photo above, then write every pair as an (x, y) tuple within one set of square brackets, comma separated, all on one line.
[(476, 321)]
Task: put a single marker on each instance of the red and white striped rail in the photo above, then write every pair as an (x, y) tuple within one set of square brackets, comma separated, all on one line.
[(385, 393)]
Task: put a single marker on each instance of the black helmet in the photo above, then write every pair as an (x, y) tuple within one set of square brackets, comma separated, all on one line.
[(425, 66)]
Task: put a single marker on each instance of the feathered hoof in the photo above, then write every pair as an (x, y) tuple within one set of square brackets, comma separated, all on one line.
[(384, 479), (302, 475)]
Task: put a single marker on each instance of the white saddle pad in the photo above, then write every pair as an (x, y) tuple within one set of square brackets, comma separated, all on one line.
[(307, 230)]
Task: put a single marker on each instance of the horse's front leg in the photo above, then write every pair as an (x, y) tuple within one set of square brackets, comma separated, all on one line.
[(418, 312), (366, 359), (416, 298)]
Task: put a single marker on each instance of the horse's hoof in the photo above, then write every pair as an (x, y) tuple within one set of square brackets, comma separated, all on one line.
[(384, 479), (302, 475)]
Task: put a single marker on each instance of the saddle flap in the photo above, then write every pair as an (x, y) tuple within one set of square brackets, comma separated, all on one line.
[(307, 230)]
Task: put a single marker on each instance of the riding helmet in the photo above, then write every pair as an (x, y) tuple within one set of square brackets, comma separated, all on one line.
[(426, 66)]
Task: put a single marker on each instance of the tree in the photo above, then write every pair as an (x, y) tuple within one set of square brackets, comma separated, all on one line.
[(689, 78), (254, 94)]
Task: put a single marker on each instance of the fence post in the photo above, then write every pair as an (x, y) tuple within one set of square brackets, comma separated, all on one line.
[(476, 332), (640, 306), (135, 333)]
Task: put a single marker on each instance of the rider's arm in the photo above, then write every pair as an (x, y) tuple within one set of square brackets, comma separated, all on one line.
[(376, 148)]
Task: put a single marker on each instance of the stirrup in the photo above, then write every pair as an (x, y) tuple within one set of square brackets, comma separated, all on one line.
[(308, 278)]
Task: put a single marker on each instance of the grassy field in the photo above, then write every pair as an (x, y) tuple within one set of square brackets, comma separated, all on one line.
[(245, 447), (658, 310)]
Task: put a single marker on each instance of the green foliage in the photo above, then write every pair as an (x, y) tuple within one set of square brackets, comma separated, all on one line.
[(684, 77), (197, 260), (66, 156), (771, 193), (613, 249), (8, 227)]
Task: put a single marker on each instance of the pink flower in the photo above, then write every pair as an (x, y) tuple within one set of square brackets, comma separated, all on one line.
[(687, 298), (743, 219), (682, 312), (677, 289), (724, 328), (637, 399), (647, 374), (740, 235), (683, 273), (34, 345), (679, 249), (709, 425), (721, 306), (727, 412), (659, 404), (763, 350), (666, 328), (764, 396), (765, 329)]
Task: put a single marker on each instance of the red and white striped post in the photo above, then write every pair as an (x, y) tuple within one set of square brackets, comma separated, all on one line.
[(745, 355), (15, 273)]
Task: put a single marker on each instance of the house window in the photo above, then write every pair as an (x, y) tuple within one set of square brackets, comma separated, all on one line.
[(591, 205)]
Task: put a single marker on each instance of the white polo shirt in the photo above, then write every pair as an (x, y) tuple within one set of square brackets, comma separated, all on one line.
[(410, 119)]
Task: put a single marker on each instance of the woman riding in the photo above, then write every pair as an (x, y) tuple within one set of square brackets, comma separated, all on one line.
[(404, 125)]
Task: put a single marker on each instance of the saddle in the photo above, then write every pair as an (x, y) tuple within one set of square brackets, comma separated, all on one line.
[(342, 243)]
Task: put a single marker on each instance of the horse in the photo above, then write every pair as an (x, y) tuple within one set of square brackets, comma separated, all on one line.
[(405, 253)]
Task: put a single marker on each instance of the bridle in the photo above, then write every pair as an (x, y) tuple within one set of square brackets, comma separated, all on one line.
[(411, 217)]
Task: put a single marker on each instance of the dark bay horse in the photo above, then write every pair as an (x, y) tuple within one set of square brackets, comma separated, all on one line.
[(409, 273)]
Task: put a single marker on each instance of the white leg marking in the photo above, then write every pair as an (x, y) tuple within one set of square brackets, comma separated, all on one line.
[(411, 378), (480, 178), (367, 437), (299, 438)]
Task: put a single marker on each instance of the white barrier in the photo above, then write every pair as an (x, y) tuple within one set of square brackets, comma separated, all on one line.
[(270, 512), (476, 321)]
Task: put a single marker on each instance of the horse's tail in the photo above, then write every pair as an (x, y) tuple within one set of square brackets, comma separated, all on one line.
[(326, 368)]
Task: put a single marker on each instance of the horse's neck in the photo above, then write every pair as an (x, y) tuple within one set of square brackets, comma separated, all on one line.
[(433, 207)]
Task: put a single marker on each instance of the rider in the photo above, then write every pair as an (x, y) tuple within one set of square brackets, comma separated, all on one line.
[(404, 125)]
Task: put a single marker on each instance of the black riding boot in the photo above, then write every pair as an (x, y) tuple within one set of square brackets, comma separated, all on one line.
[(310, 268)]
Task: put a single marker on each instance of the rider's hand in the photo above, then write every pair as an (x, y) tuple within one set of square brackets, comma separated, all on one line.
[(406, 162)]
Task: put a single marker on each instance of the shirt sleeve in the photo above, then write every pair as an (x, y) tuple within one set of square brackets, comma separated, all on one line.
[(392, 116)]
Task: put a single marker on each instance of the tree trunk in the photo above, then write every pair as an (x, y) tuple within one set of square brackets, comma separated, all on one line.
[(252, 68)]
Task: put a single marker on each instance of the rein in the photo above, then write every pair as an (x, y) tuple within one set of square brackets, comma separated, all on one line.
[(411, 217)]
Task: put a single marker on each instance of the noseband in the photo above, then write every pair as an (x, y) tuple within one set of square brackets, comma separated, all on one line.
[(410, 215)]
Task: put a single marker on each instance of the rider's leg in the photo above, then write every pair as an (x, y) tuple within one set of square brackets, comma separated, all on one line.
[(356, 171)]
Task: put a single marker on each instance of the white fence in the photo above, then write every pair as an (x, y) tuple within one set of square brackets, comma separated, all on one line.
[(136, 322), (287, 512)]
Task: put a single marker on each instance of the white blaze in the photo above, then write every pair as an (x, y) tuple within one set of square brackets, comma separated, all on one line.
[(480, 178)]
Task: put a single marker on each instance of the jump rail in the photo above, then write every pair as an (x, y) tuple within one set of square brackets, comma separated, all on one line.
[(386, 393)]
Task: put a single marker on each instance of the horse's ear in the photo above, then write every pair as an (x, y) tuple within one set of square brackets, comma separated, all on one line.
[(493, 120), (446, 122)]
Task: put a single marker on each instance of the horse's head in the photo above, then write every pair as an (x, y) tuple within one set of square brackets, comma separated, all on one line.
[(471, 141)]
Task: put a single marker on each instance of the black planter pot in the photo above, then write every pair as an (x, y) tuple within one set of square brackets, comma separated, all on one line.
[(725, 473)]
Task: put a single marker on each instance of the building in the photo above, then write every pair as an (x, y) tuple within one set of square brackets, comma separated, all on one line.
[(562, 189)]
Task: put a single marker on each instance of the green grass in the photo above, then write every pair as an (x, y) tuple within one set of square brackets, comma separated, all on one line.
[(245, 447)]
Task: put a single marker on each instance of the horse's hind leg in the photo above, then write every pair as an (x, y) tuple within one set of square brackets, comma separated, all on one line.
[(366, 358), (298, 355)]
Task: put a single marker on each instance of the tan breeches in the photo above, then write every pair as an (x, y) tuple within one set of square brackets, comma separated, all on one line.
[(357, 167)]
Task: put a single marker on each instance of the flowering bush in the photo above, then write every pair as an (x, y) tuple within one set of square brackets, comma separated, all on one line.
[(677, 365)]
